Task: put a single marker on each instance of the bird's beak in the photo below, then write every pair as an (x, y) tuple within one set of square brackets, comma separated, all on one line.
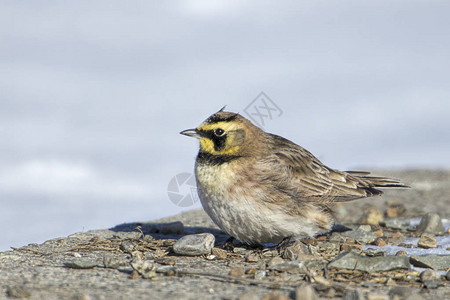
[(191, 132)]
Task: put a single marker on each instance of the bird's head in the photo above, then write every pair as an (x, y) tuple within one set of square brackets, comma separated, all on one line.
[(225, 133)]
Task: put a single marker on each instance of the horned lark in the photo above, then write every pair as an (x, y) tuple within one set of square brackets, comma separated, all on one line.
[(262, 188)]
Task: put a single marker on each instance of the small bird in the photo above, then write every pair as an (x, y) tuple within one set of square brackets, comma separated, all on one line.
[(261, 188)]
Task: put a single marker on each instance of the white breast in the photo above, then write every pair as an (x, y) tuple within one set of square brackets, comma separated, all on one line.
[(241, 215)]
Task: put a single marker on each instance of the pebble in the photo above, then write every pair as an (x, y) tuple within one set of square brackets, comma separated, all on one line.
[(353, 295), (374, 252), (110, 262), (239, 250), (380, 242), (353, 261), (194, 244), (396, 223), (361, 237), (430, 223), (127, 235), (80, 263), (252, 257), (171, 228), (396, 238), (400, 292), (435, 262), (236, 272), (365, 228), (347, 247), (432, 284), (401, 253), (296, 250), (219, 253), (248, 296), (427, 275), (275, 296), (371, 216), (80, 297), (378, 232), (18, 292), (293, 267), (427, 241), (275, 261), (127, 246), (146, 268), (259, 275), (306, 292)]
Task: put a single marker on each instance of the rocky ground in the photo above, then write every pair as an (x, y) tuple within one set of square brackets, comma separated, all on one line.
[(379, 254)]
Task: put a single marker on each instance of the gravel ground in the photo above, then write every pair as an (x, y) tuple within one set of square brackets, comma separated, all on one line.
[(141, 263)]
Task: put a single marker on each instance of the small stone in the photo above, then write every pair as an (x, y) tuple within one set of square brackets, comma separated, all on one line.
[(374, 252), (260, 275), (248, 296), (328, 247), (353, 261), (353, 295), (396, 223), (194, 244), (447, 276), (396, 238), (435, 262), (361, 237), (219, 253), (171, 228), (306, 292), (365, 228), (378, 232), (430, 223), (371, 216), (400, 292), (127, 246), (395, 210), (251, 271), (427, 241), (347, 247), (296, 250), (401, 253), (167, 261), (134, 275), (240, 250), (80, 263), (432, 284), (81, 297), (236, 272), (293, 267), (427, 275), (390, 282), (252, 257), (275, 296), (133, 235), (336, 237), (18, 292), (112, 263), (146, 268), (380, 242), (275, 261)]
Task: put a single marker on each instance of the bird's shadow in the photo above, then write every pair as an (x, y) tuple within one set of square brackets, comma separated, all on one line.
[(172, 230)]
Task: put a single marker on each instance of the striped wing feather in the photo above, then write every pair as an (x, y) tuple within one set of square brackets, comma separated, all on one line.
[(317, 182)]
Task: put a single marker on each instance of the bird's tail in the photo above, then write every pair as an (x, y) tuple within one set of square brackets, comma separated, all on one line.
[(371, 184)]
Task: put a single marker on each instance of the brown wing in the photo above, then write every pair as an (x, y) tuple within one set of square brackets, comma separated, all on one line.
[(317, 182)]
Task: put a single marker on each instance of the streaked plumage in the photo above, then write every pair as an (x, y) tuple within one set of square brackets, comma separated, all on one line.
[(261, 188)]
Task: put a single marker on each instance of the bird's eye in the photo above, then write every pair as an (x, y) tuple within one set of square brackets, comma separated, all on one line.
[(219, 131)]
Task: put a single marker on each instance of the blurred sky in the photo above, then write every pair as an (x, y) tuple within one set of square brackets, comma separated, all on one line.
[(93, 95)]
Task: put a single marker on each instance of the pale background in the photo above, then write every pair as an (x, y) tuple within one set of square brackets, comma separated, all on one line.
[(93, 95)]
